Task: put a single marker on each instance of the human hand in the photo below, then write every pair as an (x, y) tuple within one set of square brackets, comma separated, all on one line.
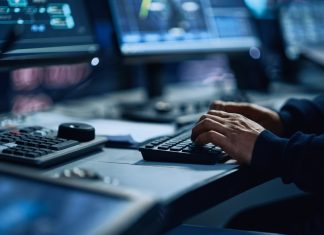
[(267, 118), (234, 133)]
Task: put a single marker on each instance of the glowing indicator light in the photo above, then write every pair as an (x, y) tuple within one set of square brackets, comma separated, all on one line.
[(95, 61)]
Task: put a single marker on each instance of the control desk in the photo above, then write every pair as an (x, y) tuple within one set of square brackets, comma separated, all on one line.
[(182, 190)]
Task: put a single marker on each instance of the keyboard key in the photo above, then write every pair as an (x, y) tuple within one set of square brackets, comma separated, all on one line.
[(40, 152), (182, 145), (155, 142), (186, 150), (31, 144), (176, 148), (8, 151), (163, 147), (21, 142), (149, 146), (32, 155), (19, 152), (215, 151), (47, 151), (7, 140), (64, 145), (44, 146)]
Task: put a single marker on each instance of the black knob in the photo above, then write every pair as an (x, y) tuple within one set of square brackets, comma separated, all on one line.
[(163, 107), (76, 131)]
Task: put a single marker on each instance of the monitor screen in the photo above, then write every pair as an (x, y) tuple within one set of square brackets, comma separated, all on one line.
[(151, 27), (302, 26), (29, 206), (36, 208), (48, 29)]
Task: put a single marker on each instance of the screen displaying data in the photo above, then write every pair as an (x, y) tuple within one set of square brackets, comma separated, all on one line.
[(45, 27), (146, 27), (32, 207)]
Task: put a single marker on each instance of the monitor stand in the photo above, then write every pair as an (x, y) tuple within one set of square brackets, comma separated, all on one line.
[(155, 82), (250, 73), (154, 109)]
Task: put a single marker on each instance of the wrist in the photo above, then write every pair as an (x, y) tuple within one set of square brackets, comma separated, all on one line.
[(278, 127)]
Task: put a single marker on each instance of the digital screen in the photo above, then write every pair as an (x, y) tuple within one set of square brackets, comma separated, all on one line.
[(31, 207), (147, 27), (47, 26), (302, 24)]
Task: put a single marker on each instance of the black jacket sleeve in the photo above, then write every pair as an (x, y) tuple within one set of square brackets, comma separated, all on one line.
[(303, 115), (298, 159)]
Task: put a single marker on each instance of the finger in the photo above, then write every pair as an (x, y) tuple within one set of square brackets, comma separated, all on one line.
[(212, 137), (207, 125), (230, 107), (213, 117), (218, 113), (217, 105)]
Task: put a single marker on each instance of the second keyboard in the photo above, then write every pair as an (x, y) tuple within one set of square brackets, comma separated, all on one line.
[(179, 148)]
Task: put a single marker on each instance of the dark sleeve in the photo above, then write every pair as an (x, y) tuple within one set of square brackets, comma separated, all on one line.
[(298, 160), (303, 115)]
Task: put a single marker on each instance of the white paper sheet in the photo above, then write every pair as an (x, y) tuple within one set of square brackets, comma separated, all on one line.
[(105, 127)]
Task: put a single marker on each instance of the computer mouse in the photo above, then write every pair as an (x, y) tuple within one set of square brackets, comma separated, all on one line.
[(80, 173), (76, 131)]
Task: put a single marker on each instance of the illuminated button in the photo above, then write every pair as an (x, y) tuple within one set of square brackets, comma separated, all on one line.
[(4, 10), (62, 22), (59, 9), (18, 3)]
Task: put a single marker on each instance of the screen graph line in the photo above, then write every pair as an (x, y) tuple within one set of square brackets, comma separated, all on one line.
[(145, 8)]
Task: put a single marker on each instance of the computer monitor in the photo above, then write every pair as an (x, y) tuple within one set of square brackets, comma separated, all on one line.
[(302, 27), (157, 28), (44, 32), (158, 31), (34, 204)]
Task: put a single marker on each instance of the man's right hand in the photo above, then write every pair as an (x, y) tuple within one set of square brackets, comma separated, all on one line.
[(265, 117)]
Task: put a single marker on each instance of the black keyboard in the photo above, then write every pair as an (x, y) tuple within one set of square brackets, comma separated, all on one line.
[(179, 148), (39, 146)]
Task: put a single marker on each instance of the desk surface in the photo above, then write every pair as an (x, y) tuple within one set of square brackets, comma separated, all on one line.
[(163, 181), (175, 186)]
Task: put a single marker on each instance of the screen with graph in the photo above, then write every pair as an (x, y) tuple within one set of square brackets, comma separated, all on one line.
[(149, 27), (45, 27)]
